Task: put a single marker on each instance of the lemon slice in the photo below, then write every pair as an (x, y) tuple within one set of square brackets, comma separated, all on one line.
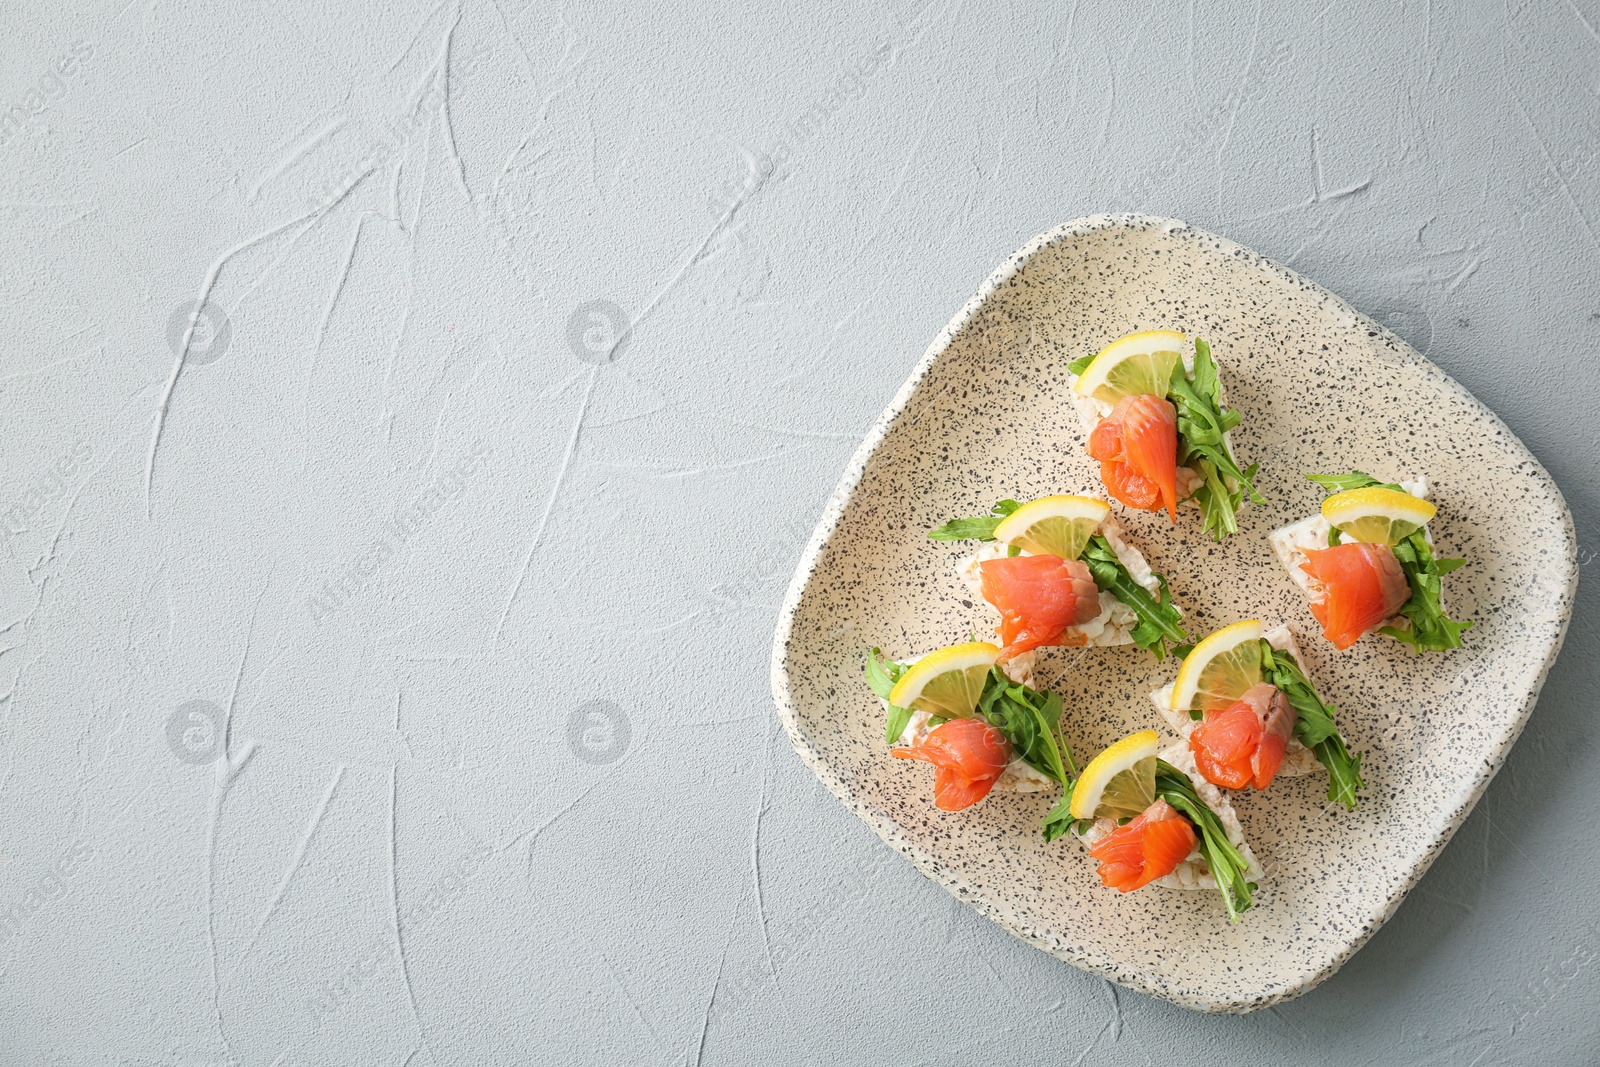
[(1138, 363), (1053, 525), (947, 682), (1220, 669), (1378, 516), (1120, 782)]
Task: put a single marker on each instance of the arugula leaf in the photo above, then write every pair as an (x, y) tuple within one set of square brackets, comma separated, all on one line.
[(1081, 364), (1430, 629), (980, 528), (1314, 724), (882, 674), (1218, 506), (1227, 864), (1158, 618), (1340, 483), (899, 719), (1060, 819), (1202, 420), (1031, 721), (1344, 770)]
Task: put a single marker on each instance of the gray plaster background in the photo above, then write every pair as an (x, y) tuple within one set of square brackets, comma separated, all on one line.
[(387, 684)]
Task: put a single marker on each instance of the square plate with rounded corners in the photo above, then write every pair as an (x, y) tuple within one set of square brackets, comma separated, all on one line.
[(986, 415)]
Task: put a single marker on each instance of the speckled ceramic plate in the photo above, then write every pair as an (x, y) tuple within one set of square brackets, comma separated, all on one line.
[(986, 415)]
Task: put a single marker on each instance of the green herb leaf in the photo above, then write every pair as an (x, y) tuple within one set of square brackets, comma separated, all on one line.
[(1060, 819), (1202, 420), (1081, 364), (882, 674), (1031, 721), (1340, 483), (980, 528), (1314, 725), (974, 529), (1159, 620), (1227, 864), (1430, 629), (1219, 506), (1344, 770)]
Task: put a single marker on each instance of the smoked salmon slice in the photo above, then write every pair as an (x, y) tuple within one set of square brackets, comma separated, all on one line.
[(1243, 744), (1362, 585), (1038, 597), (1137, 446), (968, 756), (1149, 847)]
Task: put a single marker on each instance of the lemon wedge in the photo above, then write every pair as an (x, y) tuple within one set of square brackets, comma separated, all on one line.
[(1141, 362), (1219, 669), (947, 682), (1120, 782), (1053, 525), (1377, 516)]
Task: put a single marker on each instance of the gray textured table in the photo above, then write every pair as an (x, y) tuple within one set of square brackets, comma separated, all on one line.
[(385, 682)]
